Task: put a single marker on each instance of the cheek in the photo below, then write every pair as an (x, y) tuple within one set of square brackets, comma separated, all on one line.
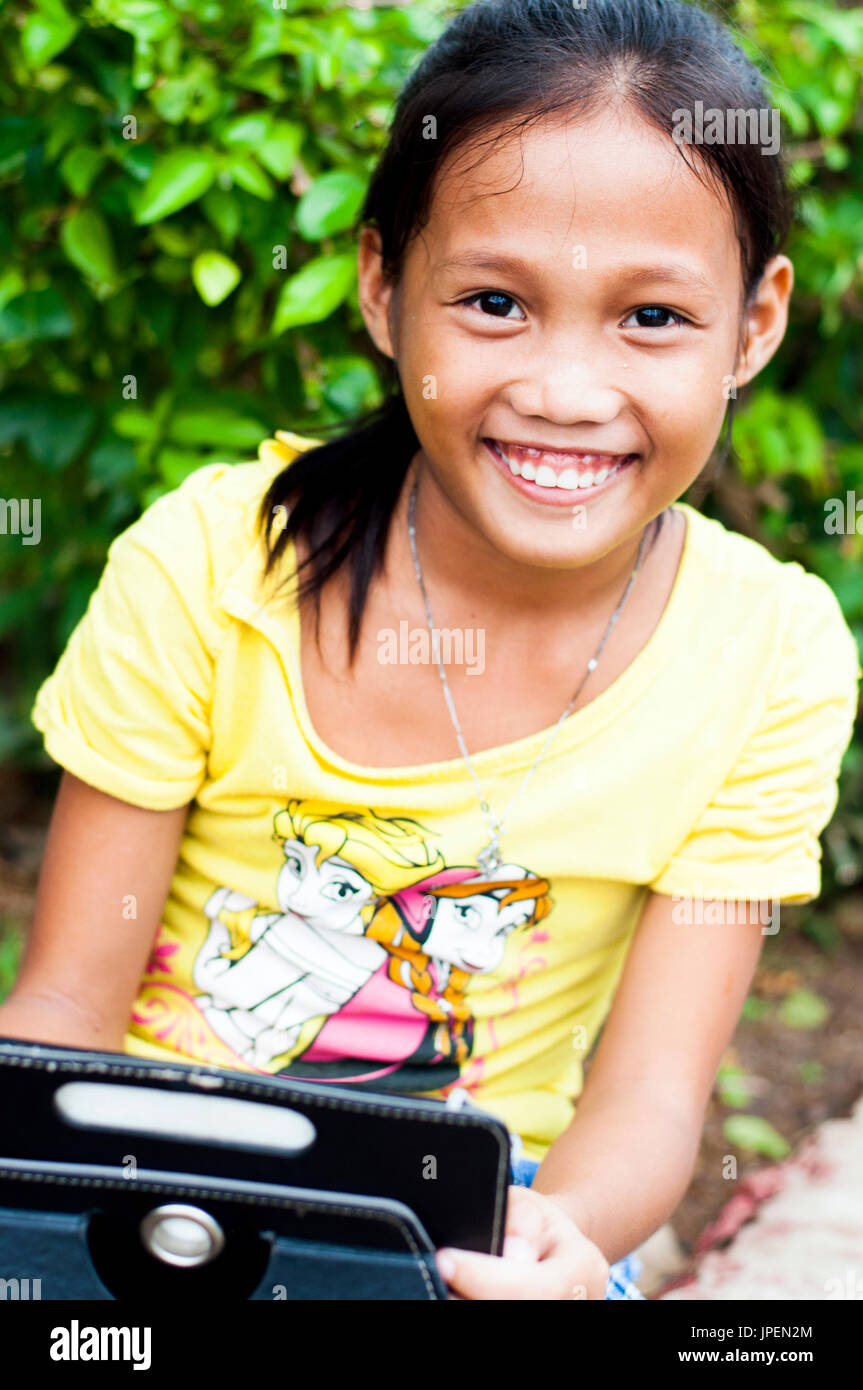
[(686, 402), (448, 369)]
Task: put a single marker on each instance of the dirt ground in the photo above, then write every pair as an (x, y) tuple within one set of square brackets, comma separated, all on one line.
[(797, 1077), (793, 1092)]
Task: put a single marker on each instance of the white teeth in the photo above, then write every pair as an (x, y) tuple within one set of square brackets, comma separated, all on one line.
[(545, 476)]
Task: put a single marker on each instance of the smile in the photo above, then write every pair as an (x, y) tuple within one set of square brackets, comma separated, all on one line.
[(560, 476)]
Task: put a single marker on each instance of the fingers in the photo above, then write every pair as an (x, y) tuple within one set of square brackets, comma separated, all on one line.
[(526, 1233), (545, 1256), (519, 1249), (476, 1276)]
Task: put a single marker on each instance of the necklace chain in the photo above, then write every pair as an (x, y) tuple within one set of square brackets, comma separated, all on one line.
[(489, 857)]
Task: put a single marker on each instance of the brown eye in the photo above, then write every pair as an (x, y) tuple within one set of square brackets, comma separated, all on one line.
[(498, 303), (656, 316)]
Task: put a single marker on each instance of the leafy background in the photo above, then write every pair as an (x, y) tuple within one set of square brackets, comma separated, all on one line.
[(153, 153)]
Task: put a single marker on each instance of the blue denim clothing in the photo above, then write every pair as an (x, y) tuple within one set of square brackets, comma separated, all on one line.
[(622, 1275)]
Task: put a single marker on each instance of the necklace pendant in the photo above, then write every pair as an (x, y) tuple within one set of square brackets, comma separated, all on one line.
[(489, 859)]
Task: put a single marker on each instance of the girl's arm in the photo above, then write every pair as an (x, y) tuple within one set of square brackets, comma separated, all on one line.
[(623, 1164), (105, 876)]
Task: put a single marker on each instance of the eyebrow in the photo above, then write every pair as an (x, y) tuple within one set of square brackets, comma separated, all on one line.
[(516, 265), (485, 260), (678, 274)]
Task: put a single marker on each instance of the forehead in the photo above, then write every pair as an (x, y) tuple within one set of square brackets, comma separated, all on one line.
[(611, 183)]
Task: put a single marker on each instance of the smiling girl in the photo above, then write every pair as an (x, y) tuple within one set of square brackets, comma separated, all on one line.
[(569, 298)]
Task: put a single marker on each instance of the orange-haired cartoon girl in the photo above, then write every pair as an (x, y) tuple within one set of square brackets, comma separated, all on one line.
[(411, 1020)]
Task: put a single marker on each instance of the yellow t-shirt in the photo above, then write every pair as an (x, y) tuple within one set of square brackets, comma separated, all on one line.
[(327, 920)]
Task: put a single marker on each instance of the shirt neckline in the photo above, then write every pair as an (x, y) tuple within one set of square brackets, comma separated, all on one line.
[(278, 619)]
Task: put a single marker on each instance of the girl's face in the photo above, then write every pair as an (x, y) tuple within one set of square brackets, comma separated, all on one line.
[(330, 896), (471, 933), (590, 305)]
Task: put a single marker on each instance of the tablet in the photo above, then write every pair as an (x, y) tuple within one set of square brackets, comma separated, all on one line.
[(126, 1115)]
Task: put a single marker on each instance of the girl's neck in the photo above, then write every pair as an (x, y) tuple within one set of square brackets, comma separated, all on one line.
[(463, 569)]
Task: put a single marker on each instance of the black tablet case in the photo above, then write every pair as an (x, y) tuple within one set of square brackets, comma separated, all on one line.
[(357, 1215)]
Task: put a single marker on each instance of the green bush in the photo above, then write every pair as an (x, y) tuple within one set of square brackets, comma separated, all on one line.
[(177, 281)]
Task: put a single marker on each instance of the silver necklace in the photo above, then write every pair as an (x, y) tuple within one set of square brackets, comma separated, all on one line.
[(489, 857)]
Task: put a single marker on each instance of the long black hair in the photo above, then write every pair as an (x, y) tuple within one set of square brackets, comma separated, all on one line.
[(499, 65)]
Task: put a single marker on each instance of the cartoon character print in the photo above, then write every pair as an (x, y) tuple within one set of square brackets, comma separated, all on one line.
[(362, 973), (264, 975), (414, 1013)]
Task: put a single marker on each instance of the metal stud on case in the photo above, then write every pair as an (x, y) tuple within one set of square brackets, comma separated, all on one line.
[(182, 1236)]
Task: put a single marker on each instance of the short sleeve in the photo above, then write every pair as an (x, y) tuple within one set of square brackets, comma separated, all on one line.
[(759, 836), (126, 709)]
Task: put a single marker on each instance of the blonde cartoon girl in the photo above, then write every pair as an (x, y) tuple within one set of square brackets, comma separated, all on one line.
[(265, 974)]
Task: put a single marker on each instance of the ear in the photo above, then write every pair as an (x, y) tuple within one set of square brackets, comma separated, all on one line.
[(765, 319), (374, 290)]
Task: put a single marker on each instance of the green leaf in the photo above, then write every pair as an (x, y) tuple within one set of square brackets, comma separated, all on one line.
[(62, 432), (193, 96), (754, 1008), (352, 385), (215, 276), (54, 427), (111, 464), (148, 20), (278, 151), (330, 204), (18, 134), (175, 465), (12, 940), (846, 30), (47, 32), (132, 422), (216, 425), (250, 176), (756, 1134), (811, 1072), (69, 123), (803, 1008), (314, 292), (12, 284), (177, 179), (223, 212), (79, 167), (249, 129), (86, 240), (734, 1086), (177, 241), (36, 316), (138, 160), (823, 931)]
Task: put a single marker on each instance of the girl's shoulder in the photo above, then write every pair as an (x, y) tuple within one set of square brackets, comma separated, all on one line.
[(231, 493), (209, 524), (745, 571), (747, 589)]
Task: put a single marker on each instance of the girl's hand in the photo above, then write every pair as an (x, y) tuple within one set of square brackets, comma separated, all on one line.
[(545, 1255)]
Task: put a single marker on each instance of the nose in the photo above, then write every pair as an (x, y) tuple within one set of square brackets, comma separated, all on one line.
[(568, 388), (307, 900)]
